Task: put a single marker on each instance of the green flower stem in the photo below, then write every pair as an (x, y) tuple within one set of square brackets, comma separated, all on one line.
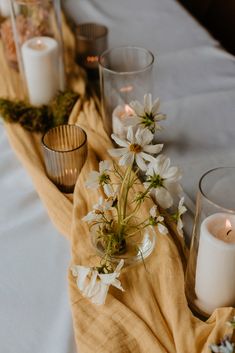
[(143, 195), (122, 201)]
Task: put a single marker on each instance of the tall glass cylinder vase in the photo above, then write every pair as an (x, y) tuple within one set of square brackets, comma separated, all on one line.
[(125, 75), (210, 279), (36, 26)]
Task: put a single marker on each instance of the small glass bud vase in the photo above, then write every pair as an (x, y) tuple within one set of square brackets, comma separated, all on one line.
[(133, 247), (210, 280), (36, 26)]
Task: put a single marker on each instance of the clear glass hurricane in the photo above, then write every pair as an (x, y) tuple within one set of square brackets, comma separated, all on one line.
[(210, 280), (125, 75)]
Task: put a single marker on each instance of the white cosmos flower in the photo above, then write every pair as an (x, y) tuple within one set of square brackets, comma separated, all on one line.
[(100, 178), (137, 147), (147, 114), (95, 285), (98, 210), (163, 180), (158, 220), (224, 347), (181, 210)]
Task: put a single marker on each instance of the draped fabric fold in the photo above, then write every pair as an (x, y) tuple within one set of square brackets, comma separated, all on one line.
[(152, 314)]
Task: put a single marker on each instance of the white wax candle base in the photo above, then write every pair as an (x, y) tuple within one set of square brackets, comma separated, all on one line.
[(41, 65), (215, 281), (204, 307), (120, 114)]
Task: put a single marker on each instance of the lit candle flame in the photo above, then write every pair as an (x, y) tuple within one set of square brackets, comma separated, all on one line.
[(126, 89), (228, 226), (127, 112), (38, 44), (92, 59)]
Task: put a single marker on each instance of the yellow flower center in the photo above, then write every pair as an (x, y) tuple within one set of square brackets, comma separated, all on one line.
[(134, 147)]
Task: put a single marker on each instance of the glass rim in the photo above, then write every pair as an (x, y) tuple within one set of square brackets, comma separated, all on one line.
[(95, 25), (107, 51), (230, 210), (64, 151)]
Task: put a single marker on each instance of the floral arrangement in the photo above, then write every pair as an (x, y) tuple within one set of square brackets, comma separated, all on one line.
[(226, 345), (117, 222)]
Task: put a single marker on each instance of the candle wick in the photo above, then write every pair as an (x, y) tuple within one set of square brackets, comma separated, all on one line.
[(229, 231)]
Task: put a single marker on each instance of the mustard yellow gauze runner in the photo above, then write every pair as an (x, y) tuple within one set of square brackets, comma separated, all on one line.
[(152, 314)]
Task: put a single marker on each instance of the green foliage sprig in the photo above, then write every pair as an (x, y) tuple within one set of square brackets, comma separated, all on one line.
[(41, 118)]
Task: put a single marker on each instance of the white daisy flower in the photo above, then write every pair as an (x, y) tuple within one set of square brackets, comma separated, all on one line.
[(100, 178), (112, 195), (95, 285), (162, 180), (147, 114), (137, 148), (181, 210), (98, 211), (224, 347), (158, 220)]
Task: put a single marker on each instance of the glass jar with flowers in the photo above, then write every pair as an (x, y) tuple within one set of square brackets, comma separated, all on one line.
[(122, 223)]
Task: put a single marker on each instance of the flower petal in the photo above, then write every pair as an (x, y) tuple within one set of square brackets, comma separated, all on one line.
[(104, 166), (132, 121), (100, 297), (92, 287), (92, 180), (179, 226), (163, 197), (108, 190), (162, 229), (130, 134), (145, 136), (127, 159), (147, 157), (156, 106), (117, 152), (137, 107), (81, 272), (172, 173), (148, 103), (153, 149), (140, 162), (119, 141), (153, 211)]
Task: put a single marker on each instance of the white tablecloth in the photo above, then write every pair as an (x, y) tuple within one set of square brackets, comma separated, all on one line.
[(195, 80)]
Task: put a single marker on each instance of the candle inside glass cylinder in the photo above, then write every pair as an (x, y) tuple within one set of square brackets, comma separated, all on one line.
[(5, 9), (37, 45), (91, 41), (41, 66), (120, 113), (215, 269)]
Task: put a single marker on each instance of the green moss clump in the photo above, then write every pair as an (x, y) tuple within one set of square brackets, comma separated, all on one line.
[(39, 119)]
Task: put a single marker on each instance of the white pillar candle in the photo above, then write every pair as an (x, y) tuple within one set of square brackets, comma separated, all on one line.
[(41, 65), (120, 113), (215, 269), (5, 9)]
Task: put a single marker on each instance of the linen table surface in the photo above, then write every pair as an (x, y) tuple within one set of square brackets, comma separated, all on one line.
[(152, 314)]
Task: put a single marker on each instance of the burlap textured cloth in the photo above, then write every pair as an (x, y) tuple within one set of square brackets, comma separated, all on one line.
[(152, 314)]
